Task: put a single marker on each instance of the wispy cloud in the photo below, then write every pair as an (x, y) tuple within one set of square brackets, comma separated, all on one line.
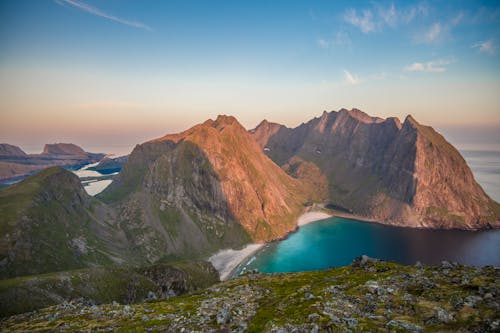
[(488, 47), (435, 66), (439, 31), (431, 34), (339, 39), (96, 11), (350, 78), (363, 21), (378, 16)]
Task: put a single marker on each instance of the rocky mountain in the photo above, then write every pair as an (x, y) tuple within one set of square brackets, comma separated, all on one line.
[(49, 223), (398, 173), (368, 296), (204, 189), (15, 164)]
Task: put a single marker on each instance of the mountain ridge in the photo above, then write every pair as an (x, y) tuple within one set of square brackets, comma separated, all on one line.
[(371, 165)]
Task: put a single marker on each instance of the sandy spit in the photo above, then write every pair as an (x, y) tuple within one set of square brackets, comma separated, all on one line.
[(225, 261)]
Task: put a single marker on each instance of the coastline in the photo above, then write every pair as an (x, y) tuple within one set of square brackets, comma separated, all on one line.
[(227, 260)]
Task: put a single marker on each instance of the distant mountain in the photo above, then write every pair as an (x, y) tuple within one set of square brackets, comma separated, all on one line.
[(403, 174), (110, 165), (10, 150), (62, 149), (16, 164), (49, 223)]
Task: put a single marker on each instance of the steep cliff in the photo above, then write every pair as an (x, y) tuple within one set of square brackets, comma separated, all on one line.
[(405, 174)]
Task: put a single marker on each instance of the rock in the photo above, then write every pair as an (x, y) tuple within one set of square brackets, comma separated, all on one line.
[(309, 296), (313, 317), (446, 265), (223, 316), (443, 316), (351, 322), (144, 318), (374, 288), (399, 324), (472, 300), (115, 303)]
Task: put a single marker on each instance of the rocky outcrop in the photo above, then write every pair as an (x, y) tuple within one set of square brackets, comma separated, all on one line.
[(404, 174)]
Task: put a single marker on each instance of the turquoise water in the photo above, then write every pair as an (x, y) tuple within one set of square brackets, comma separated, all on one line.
[(337, 241)]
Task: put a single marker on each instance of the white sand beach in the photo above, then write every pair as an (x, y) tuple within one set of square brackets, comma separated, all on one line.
[(309, 217), (225, 261)]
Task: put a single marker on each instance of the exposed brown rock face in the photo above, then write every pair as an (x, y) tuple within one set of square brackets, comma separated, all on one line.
[(263, 198), (405, 174)]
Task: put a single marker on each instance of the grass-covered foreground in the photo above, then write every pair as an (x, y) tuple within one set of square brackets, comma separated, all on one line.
[(367, 296)]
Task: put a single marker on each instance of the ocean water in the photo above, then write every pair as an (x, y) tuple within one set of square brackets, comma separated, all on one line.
[(337, 241), (485, 165)]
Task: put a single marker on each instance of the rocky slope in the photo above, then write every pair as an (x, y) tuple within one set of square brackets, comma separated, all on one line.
[(49, 223), (15, 164), (398, 173), (368, 296)]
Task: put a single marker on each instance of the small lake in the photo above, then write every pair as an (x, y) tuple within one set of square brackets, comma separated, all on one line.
[(337, 241)]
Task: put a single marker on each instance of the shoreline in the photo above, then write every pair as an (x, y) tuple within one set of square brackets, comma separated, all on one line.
[(228, 260)]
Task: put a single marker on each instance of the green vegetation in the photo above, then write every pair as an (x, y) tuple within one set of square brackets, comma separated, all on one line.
[(103, 285), (366, 296)]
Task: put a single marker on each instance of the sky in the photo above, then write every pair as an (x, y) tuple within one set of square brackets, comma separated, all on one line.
[(119, 72)]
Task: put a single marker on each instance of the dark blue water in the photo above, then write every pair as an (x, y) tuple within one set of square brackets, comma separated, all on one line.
[(337, 241)]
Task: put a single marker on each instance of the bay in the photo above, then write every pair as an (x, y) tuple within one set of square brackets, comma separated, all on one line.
[(337, 241)]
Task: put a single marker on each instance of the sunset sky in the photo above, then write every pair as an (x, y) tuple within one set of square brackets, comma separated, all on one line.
[(120, 72)]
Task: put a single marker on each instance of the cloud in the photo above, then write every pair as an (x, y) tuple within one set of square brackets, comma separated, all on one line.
[(436, 66), (431, 35), (378, 16), (340, 39), (364, 22), (488, 47), (351, 79), (96, 11)]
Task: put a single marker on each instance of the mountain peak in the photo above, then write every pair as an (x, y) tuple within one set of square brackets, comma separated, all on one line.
[(361, 116), (411, 121)]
